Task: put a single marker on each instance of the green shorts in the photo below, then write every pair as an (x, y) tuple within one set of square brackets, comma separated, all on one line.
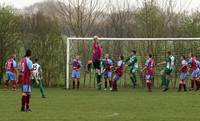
[(167, 71), (133, 70)]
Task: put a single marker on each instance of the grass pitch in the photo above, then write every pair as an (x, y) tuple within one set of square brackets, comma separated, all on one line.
[(91, 105)]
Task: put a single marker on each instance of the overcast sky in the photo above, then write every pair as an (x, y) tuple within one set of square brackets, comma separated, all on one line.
[(193, 5)]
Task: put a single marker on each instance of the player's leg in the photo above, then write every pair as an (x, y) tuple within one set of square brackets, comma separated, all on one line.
[(110, 79), (105, 80), (14, 81), (41, 88), (192, 80), (97, 68), (181, 81), (148, 82), (23, 101), (98, 79), (167, 73), (133, 79), (78, 77), (163, 78), (26, 95), (197, 84), (114, 82), (7, 80), (73, 78)]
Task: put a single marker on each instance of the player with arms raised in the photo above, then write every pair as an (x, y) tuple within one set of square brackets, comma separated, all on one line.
[(37, 73), (96, 59)]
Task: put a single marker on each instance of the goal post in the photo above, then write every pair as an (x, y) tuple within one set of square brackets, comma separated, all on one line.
[(68, 39)]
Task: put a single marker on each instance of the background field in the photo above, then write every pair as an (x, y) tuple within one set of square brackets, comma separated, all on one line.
[(91, 105)]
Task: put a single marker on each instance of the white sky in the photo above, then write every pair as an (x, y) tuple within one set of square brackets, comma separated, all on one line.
[(181, 4)]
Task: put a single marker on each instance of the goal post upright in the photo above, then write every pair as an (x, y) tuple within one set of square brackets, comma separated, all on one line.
[(67, 63), (113, 39)]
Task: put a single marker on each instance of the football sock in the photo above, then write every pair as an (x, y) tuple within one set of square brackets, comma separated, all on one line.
[(14, 84)]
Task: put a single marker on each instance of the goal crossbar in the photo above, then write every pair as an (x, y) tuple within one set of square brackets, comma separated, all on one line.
[(115, 39)]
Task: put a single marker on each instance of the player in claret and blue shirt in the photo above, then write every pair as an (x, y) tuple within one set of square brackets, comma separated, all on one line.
[(11, 72), (118, 72), (193, 62), (149, 71), (26, 70), (183, 74), (76, 65), (107, 70)]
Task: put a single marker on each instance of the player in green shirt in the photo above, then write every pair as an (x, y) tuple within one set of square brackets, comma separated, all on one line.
[(166, 72), (132, 63)]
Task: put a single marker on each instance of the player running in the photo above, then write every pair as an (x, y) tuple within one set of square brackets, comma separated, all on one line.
[(96, 59), (11, 72), (183, 74), (37, 73), (132, 63), (26, 70), (76, 65), (118, 72), (166, 73), (107, 71), (193, 63), (149, 71)]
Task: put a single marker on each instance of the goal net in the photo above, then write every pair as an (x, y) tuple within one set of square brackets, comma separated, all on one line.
[(158, 47)]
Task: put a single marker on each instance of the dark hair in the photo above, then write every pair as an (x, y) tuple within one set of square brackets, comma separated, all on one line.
[(36, 60), (150, 55), (183, 56), (28, 53), (169, 53), (134, 51), (122, 57)]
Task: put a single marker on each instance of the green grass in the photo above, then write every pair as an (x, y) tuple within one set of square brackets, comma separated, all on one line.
[(91, 105)]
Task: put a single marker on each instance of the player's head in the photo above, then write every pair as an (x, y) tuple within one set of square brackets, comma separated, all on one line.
[(14, 56), (96, 37), (150, 55), (182, 57), (106, 56), (191, 55), (169, 53), (28, 53), (121, 57), (77, 57), (133, 52), (36, 60)]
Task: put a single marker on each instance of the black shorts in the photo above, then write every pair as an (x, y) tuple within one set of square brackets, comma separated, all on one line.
[(96, 64)]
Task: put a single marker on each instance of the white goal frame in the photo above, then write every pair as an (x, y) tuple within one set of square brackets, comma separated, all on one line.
[(113, 39)]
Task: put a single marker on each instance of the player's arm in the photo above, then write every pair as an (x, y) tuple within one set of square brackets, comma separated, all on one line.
[(15, 68), (40, 72), (161, 63)]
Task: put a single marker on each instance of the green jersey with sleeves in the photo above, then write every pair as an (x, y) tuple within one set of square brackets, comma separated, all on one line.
[(132, 61), (170, 62)]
